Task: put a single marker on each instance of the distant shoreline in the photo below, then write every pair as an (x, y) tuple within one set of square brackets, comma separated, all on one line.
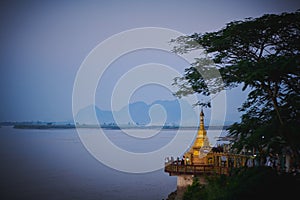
[(109, 127)]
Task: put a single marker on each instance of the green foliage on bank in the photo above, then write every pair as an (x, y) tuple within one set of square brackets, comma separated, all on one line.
[(246, 183)]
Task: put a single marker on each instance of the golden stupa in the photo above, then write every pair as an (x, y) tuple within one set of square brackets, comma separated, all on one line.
[(201, 146)]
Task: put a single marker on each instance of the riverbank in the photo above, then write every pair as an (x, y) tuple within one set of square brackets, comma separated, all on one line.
[(51, 125)]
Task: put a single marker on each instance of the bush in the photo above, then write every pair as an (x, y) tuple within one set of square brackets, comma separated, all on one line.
[(246, 183)]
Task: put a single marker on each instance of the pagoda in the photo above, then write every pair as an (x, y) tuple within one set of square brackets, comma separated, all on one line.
[(201, 147), (201, 161)]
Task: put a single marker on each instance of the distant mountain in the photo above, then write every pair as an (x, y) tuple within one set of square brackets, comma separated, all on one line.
[(85, 116), (158, 113), (139, 113)]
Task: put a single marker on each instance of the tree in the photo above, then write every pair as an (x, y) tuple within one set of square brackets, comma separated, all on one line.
[(262, 54), (246, 183)]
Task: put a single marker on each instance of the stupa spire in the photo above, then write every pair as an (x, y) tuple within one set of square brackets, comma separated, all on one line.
[(201, 126)]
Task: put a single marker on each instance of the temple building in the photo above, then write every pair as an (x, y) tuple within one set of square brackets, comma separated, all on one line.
[(201, 160)]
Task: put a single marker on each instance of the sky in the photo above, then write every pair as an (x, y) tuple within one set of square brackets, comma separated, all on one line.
[(43, 44)]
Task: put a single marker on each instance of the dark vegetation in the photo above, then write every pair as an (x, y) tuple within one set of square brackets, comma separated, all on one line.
[(263, 56), (246, 183)]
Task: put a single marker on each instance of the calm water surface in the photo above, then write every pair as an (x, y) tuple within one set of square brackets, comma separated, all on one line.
[(54, 165)]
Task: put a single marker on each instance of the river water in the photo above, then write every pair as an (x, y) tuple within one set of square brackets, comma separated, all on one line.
[(54, 165)]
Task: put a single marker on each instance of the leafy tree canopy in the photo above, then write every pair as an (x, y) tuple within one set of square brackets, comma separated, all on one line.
[(263, 55)]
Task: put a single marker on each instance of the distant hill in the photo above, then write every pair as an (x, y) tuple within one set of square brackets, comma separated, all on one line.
[(85, 116), (142, 114)]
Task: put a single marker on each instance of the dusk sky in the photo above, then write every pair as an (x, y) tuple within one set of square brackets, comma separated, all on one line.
[(43, 44)]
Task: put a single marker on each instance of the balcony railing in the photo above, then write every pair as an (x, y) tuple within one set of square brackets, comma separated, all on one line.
[(177, 169)]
